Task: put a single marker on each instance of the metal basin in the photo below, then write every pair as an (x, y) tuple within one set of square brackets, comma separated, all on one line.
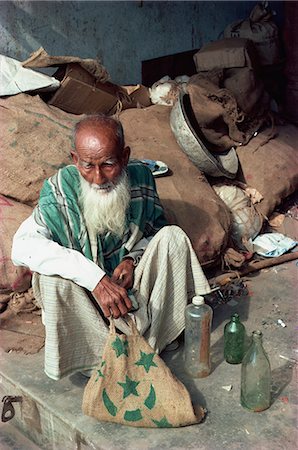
[(191, 141)]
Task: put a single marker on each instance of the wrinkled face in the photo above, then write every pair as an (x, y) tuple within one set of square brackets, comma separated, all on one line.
[(98, 157)]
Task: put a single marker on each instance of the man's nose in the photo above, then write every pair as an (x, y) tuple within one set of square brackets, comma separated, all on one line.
[(99, 178)]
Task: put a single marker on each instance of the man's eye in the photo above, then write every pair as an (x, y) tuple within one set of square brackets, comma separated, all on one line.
[(87, 166)]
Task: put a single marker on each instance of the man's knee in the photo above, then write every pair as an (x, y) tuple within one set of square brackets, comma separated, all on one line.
[(49, 284), (172, 232), (173, 238)]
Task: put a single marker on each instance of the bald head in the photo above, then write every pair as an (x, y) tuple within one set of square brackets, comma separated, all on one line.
[(100, 124), (99, 155)]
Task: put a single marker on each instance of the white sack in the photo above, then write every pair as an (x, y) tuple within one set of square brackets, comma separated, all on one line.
[(14, 78), (246, 221), (166, 91)]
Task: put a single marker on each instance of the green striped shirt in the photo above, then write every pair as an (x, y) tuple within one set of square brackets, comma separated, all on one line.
[(59, 210)]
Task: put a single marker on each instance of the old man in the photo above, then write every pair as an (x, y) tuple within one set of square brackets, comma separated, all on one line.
[(99, 246)]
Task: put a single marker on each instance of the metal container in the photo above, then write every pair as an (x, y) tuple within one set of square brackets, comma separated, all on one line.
[(192, 143)]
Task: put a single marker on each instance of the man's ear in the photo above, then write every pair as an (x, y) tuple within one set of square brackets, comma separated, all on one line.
[(126, 155), (75, 157)]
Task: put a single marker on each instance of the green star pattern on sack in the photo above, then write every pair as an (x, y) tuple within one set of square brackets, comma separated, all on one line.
[(163, 423), (146, 360), (99, 372), (112, 409), (120, 347), (151, 399), (129, 387), (133, 416)]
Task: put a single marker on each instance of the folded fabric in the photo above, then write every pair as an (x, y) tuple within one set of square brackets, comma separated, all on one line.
[(272, 244)]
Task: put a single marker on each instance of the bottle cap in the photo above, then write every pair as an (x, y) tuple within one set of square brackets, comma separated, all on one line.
[(198, 300), (257, 333)]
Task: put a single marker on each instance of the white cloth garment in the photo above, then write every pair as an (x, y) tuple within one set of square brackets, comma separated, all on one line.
[(166, 278), (33, 247)]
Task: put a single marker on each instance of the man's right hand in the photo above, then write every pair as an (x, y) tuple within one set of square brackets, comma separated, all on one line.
[(112, 298)]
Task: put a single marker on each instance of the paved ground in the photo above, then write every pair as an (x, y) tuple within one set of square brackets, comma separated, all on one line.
[(51, 412), (12, 439)]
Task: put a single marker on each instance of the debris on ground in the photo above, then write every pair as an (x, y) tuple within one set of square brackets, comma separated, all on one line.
[(276, 220), (226, 294), (272, 244), (21, 327), (228, 388), (292, 360), (281, 323), (19, 302)]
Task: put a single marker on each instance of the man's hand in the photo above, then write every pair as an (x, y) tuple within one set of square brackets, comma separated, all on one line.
[(123, 274), (112, 298)]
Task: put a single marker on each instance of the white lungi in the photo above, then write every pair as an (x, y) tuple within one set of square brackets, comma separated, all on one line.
[(166, 278)]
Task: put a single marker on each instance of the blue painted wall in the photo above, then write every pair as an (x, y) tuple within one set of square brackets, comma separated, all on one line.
[(120, 33)]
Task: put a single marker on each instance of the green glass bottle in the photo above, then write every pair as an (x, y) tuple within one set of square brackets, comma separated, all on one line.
[(234, 338), (256, 376)]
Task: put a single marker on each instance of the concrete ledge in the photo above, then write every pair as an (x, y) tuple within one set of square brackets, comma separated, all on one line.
[(51, 416)]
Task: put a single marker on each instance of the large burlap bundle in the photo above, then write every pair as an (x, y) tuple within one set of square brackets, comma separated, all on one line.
[(217, 110), (133, 386), (189, 200), (248, 90), (271, 166), (35, 142), (260, 28), (12, 214)]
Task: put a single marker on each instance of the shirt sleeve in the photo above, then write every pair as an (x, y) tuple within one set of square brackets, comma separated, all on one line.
[(32, 247), (137, 251)]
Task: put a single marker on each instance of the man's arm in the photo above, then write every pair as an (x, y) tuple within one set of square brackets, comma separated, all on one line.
[(32, 247), (137, 251)]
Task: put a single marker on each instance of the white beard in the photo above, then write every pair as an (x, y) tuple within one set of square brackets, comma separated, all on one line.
[(104, 207)]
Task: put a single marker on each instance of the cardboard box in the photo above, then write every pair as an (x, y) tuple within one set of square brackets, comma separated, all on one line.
[(76, 71), (226, 53), (138, 96), (80, 93), (77, 97)]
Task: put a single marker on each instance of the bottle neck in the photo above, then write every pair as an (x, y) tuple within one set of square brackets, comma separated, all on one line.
[(257, 338), (235, 318)]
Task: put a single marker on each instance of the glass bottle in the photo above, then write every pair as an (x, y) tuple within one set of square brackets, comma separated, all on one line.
[(255, 376), (198, 318), (234, 339)]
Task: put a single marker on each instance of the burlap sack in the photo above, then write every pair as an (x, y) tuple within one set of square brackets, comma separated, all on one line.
[(261, 29), (217, 112), (133, 386), (271, 166), (12, 278), (40, 58), (248, 90), (35, 142), (189, 200)]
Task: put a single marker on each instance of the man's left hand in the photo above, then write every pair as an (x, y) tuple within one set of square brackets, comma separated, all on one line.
[(123, 274)]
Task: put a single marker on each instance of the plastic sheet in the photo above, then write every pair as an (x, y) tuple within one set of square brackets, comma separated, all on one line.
[(273, 244)]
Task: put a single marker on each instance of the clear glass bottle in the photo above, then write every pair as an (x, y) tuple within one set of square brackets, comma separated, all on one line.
[(234, 339), (198, 319), (256, 376)]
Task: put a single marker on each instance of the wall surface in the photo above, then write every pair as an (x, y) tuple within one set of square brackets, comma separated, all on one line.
[(120, 33)]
